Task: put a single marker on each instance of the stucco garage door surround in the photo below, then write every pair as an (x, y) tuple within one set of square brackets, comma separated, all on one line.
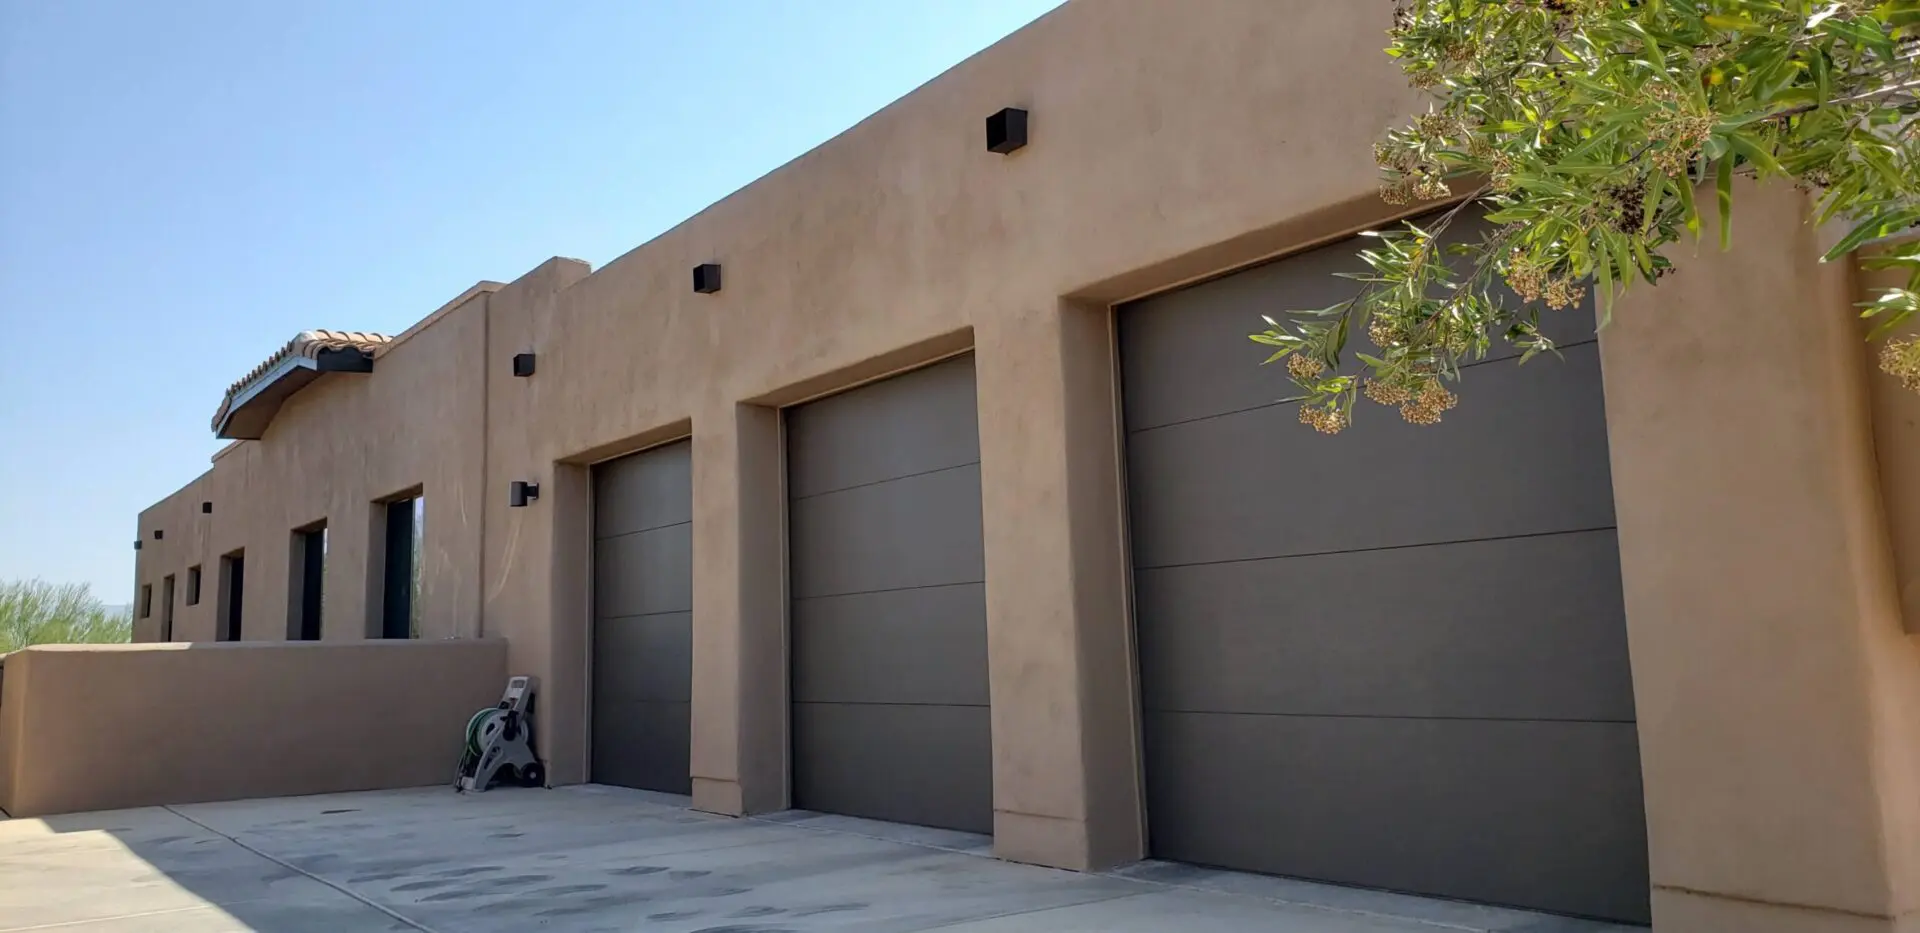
[(889, 635), (1396, 657), (643, 619)]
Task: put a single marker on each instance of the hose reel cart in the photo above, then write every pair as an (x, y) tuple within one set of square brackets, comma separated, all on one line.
[(499, 742)]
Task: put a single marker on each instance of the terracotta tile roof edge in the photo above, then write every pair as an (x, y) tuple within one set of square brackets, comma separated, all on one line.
[(307, 343)]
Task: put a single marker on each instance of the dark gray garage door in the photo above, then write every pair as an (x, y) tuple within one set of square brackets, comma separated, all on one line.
[(643, 618), (889, 611), (1393, 658)]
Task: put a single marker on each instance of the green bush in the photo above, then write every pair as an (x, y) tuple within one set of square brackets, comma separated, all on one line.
[(35, 612)]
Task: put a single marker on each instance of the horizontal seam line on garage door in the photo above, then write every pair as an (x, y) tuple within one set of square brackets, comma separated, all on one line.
[(1383, 547), (829, 492), (879, 703), (643, 615), (890, 589), (640, 531), (1273, 404), (1226, 712)]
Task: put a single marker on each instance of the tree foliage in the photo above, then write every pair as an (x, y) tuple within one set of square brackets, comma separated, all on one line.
[(1588, 129), (35, 612)]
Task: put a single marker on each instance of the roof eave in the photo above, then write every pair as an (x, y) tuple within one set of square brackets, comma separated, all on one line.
[(253, 407)]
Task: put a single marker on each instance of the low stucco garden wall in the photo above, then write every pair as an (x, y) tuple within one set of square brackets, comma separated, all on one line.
[(92, 727)]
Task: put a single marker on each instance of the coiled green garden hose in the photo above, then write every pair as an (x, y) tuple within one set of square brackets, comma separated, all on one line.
[(476, 728)]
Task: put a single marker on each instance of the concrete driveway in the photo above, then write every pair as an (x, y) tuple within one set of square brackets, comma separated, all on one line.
[(596, 858)]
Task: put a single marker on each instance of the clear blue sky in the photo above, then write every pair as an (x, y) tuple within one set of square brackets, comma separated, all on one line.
[(185, 185)]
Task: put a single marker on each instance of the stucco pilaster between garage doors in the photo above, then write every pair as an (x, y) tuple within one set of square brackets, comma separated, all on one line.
[(739, 739), (1066, 771)]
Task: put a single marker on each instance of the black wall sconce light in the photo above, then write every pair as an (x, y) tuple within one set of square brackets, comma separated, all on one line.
[(136, 544), (521, 492), (706, 278), (158, 534), (523, 364), (1007, 130), (206, 508)]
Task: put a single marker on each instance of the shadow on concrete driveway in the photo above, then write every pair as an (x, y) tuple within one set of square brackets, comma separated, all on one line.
[(593, 858)]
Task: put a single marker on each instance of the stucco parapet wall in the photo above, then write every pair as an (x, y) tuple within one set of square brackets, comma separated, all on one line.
[(478, 289), (93, 727)]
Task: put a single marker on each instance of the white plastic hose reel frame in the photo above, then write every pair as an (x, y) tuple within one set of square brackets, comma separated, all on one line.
[(499, 742)]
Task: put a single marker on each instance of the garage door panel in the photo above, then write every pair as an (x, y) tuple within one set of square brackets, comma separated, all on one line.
[(641, 743), (1392, 658), (918, 422), (921, 645), (888, 648), (1509, 812), (917, 531), (1519, 628), (640, 679), (1186, 355), (643, 658), (928, 765), (646, 491), (1164, 338), (1525, 453), (644, 572)]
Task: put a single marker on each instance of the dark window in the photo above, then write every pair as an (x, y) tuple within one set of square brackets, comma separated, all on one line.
[(400, 576), (193, 585), (233, 573), (146, 600), (166, 608), (306, 594)]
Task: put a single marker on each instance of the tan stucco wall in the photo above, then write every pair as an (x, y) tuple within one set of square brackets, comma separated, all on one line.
[(335, 449), (1171, 141), (96, 727), (1896, 432), (1778, 694)]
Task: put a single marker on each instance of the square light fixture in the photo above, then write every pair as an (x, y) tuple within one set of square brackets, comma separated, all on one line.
[(136, 544), (521, 492), (1007, 130), (706, 278), (158, 534), (523, 364), (206, 508)]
